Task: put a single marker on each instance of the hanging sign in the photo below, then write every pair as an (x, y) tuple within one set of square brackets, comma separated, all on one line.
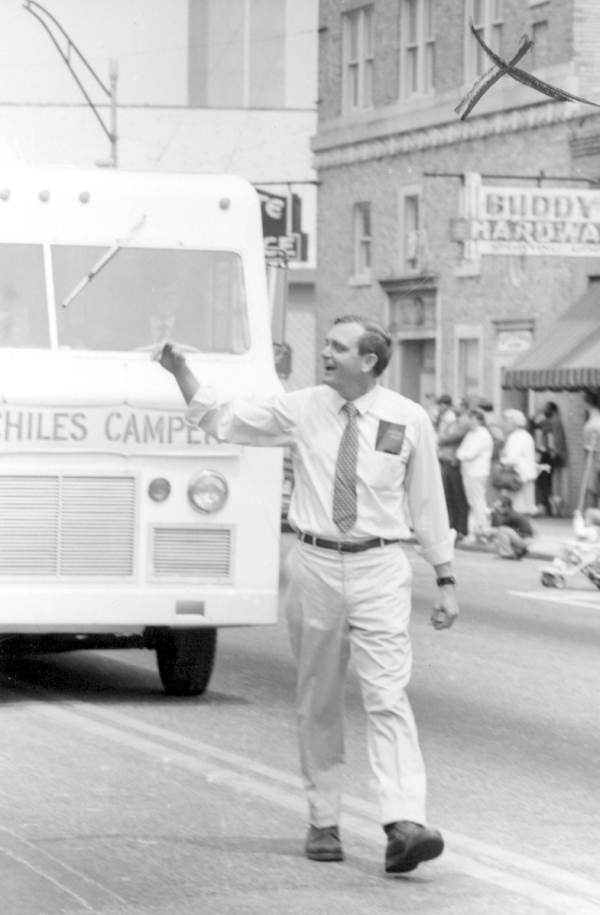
[(531, 220)]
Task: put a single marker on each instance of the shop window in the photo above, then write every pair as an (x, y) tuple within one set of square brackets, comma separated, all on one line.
[(362, 242), (357, 37), (417, 48), (487, 18)]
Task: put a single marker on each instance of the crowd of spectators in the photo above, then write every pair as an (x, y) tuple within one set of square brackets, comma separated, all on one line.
[(499, 471)]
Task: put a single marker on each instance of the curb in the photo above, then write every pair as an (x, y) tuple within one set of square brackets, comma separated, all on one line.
[(544, 553)]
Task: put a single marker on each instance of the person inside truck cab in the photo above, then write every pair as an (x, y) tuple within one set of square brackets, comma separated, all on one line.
[(164, 315)]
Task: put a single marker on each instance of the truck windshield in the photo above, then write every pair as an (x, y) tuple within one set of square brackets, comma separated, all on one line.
[(139, 298), (23, 309)]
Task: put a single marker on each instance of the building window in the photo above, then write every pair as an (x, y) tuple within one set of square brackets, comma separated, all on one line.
[(362, 241), (487, 19), (417, 48), (540, 49), (468, 364), (413, 240), (236, 54), (358, 59)]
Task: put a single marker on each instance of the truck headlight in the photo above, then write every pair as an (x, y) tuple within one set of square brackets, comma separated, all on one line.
[(208, 491)]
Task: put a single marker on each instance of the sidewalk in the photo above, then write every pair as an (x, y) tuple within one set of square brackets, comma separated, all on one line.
[(550, 534)]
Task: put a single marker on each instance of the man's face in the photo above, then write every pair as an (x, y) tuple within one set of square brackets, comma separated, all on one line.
[(162, 317), (342, 363)]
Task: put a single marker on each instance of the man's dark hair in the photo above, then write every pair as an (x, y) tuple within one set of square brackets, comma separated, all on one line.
[(478, 414), (486, 405), (374, 340)]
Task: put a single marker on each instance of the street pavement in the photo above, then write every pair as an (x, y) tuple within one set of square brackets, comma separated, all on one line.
[(118, 800)]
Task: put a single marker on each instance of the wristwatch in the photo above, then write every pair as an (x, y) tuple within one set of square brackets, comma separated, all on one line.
[(445, 580)]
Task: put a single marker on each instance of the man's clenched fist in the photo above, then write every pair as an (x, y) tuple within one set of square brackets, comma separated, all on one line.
[(170, 357)]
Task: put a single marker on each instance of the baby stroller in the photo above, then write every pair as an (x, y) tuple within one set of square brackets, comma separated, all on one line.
[(576, 556), (579, 555)]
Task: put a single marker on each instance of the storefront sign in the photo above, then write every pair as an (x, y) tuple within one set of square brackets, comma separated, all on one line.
[(512, 341), (282, 225), (531, 220)]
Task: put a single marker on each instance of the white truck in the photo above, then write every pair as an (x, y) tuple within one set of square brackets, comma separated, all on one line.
[(120, 525)]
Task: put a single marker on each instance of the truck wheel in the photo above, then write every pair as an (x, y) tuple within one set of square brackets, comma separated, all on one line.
[(185, 659)]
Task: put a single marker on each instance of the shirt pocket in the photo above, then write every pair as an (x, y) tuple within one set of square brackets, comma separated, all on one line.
[(385, 472)]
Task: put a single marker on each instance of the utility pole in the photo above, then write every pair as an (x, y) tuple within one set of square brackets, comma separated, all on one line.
[(52, 25)]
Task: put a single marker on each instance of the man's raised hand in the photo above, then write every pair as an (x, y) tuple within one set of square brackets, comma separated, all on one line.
[(169, 356), (172, 358)]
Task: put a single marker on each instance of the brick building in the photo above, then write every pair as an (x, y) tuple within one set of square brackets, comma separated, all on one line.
[(468, 237)]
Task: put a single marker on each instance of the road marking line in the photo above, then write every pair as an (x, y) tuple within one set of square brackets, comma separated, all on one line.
[(591, 601), (556, 888), (88, 892)]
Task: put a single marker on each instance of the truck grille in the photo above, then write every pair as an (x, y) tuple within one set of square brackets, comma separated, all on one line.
[(191, 552), (67, 526)]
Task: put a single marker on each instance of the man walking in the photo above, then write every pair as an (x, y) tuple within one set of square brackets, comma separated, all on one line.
[(362, 456)]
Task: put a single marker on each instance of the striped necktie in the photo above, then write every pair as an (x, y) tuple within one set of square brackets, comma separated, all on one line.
[(344, 486)]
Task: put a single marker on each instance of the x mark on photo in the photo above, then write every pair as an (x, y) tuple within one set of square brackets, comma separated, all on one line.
[(502, 68)]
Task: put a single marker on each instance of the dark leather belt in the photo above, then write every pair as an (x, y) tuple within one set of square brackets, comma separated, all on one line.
[(344, 546)]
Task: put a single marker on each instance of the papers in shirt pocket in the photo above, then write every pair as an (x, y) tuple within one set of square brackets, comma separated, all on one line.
[(390, 437)]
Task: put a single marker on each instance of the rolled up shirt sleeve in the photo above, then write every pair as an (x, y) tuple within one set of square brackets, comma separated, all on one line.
[(262, 421), (425, 497)]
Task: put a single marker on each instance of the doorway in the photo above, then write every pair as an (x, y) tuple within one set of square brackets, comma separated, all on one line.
[(416, 378)]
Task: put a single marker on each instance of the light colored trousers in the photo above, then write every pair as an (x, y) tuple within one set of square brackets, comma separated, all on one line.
[(479, 514), (335, 602)]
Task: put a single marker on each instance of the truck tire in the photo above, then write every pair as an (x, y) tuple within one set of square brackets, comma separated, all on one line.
[(185, 659)]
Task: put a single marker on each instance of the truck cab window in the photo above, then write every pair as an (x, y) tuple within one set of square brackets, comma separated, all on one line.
[(23, 308)]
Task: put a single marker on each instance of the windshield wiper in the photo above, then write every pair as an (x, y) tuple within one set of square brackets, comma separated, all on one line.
[(106, 257)]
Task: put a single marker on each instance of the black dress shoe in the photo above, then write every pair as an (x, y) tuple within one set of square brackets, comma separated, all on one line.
[(409, 844), (323, 844)]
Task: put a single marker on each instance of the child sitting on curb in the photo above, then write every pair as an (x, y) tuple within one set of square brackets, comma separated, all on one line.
[(512, 531)]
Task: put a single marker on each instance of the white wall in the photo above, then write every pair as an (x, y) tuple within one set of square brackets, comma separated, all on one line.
[(302, 22), (147, 37), (261, 145)]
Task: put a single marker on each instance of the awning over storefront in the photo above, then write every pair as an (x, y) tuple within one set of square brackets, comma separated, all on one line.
[(567, 357)]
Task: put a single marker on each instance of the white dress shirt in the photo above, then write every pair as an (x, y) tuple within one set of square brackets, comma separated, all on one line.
[(475, 453), (519, 452), (394, 485)]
